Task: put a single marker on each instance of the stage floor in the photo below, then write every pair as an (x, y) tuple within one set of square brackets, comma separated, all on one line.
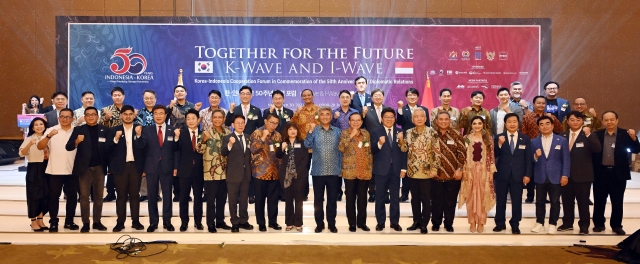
[(15, 226)]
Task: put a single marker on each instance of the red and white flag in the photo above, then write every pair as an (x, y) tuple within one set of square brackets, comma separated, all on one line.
[(404, 67)]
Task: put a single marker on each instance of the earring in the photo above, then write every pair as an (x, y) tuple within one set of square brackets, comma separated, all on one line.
[(484, 132)]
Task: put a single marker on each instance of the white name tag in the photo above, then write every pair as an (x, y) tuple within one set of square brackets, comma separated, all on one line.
[(587, 122), (101, 139), (563, 109), (450, 142), (613, 145), (288, 119), (271, 148), (169, 138), (368, 104), (558, 147), (483, 117), (360, 144), (522, 147), (453, 118), (296, 145), (579, 145)]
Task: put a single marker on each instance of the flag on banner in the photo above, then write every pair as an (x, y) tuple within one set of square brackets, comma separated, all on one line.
[(427, 98), (203, 67), (404, 67)]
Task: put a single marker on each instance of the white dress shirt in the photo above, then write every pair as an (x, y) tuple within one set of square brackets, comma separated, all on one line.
[(546, 144), (60, 160)]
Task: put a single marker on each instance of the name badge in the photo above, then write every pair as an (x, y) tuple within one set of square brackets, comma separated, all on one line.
[(271, 148), (483, 117), (613, 145), (297, 145), (587, 122), (101, 139), (368, 104), (453, 118), (563, 109), (360, 144), (522, 146), (450, 142), (579, 145), (288, 119), (558, 147), (169, 138)]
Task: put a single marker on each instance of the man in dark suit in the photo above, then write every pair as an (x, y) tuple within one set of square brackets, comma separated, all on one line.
[(373, 121), (126, 163), (405, 121), (253, 120), (551, 172), (360, 100), (190, 170), (277, 108), (513, 163), (389, 162), (90, 141), (158, 142), (60, 101), (236, 147), (582, 145), (612, 171)]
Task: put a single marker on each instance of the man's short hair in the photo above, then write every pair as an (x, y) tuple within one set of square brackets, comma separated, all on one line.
[(355, 113), (539, 96), (503, 89), (92, 108), (474, 93), (276, 92), (271, 115), (179, 86), (550, 82), (235, 117), (411, 90), (612, 112), (388, 110), (216, 92), (127, 108), (305, 91), (544, 118), (377, 90), (443, 112), (358, 78), (245, 87), (159, 106), (446, 90), (149, 91), (324, 108), (66, 109), (507, 116), (117, 89), (192, 111), (575, 114), (344, 91), (515, 83), (54, 95), (87, 92)]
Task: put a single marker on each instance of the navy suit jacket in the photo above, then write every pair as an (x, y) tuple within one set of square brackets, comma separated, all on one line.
[(620, 158), (371, 121), (286, 113), (159, 160), (356, 104), (563, 114), (556, 164), (405, 120), (252, 125), (118, 152), (387, 156), (513, 166), (83, 154), (239, 162), (188, 159)]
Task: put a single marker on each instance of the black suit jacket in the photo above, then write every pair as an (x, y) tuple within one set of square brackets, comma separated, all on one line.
[(620, 158), (252, 125), (387, 155), (371, 121), (188, 160), (582, 155), (405, 121), (118, 152), (155, 154), (83, 154), (239, 162), (300, 160), (286, 113), (517, 165), (356, 104), (52, 118)]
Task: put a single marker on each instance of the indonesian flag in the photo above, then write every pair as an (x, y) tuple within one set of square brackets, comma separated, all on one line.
[(427, 98), (404, 67)]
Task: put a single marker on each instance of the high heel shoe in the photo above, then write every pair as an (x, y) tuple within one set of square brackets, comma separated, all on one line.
[(480, 228), (35, 230), (43, 227), (289, 228), (472, 228), (299, 228)]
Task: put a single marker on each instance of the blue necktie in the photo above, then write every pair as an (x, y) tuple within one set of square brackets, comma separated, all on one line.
[(511, 145)]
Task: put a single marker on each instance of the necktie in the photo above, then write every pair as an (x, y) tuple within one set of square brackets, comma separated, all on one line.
[(279, 113), (390, 137), (511, 144), (362, 99), (160, 136), (379, 117), (241, 142), (245, 112), (573, 140), (193, 140)]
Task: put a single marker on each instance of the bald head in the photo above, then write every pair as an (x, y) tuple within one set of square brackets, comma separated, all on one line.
[(580, 104)]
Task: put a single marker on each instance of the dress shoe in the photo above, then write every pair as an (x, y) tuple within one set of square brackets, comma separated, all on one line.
[(176, 199), (246, 226), (118, 228), (552, 230), (352, 228), (435, 228), (169, 227), (152, 228), (396, 227), (529, 201), (448, 229), (563, 228), (499, 228), (85, 228), (333, 229), (224, 226), (137, 226), (144, 198), (212, 229), (364, 228), (53, 228), (262, 228), (414, 226), (619, 231), (404, 199), (43, 227), (598, 229), (423, 230), (318, 229), (71, 226), (183, 227), (110, 197), (372, 198), (235, 229), (379, 227), (584, 231), (199, 226), (99, 226), (515, 230), (537, 228), (276, 226), (339, 199), (252, 200), (590, 202)]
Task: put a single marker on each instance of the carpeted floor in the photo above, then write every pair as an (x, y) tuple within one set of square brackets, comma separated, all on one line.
[(183, 254)]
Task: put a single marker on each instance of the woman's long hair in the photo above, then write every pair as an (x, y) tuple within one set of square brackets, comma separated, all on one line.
[(32, 124), (285, 132), (486, 135), (39, 107)]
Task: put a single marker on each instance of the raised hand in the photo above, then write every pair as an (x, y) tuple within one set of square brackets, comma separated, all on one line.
[(592, 111), (232, 106), (265, 134), (632, 133), (400, 136), (400, 104), (284, 146), (336, 115), (53, 132), (299, 108), (33, 141), (176, 132), (354, 132), (79, 139), (501, 140), (271, 108), (365, 109), (118, 134), (538, 153), (138, 130), (206, 136), (381, 140), (172, 103), (197, 106), (587, 131), (312, 126), (232, 140), (108, 115)]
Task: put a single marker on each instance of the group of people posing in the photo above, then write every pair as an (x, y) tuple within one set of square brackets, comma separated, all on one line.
[(443, 158)]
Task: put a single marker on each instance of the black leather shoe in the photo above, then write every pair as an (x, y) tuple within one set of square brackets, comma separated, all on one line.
[(515, 230), (144, 198), (176, 199), (53, 228), (435, 228), (414, 226), (99, 226), (318, 229), (333, 229), (109, 198), (71, 226), (352, 228), (619, 231), (448, 229), (235, 229), (252, 200), (183, 227), (152, 228), (598, 229), (246, 226), (276, 226), (499, 228), (169, 227), (379, 227), (404, 199), (364, 228), (223, 226), (372, 198), (199, 226), (396, 227), (118, 228), (423, 230), (563, 228), (137, 226), (584, 231), (262, 228), (85, 228), (212, 229), (529, 201)]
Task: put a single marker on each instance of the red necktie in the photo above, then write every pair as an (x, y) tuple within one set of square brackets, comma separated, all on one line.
[(160, 137), (193, 140)]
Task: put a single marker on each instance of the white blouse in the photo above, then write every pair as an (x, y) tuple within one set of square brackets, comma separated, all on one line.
[(34, 154)]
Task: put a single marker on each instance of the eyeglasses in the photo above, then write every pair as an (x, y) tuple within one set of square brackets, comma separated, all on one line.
[(60, 99), (580, 104), (91, 115), (245, 93), (273, 123), (358, 120), (214, 98), (66, 117), (552, 88)]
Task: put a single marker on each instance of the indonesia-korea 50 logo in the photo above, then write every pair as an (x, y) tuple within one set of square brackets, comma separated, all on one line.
[(133, 63)]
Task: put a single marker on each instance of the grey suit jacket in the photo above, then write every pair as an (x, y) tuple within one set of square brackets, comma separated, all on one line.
[(582, 155), (494, 121), (239, 162), (371, 121), (52, 118)]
